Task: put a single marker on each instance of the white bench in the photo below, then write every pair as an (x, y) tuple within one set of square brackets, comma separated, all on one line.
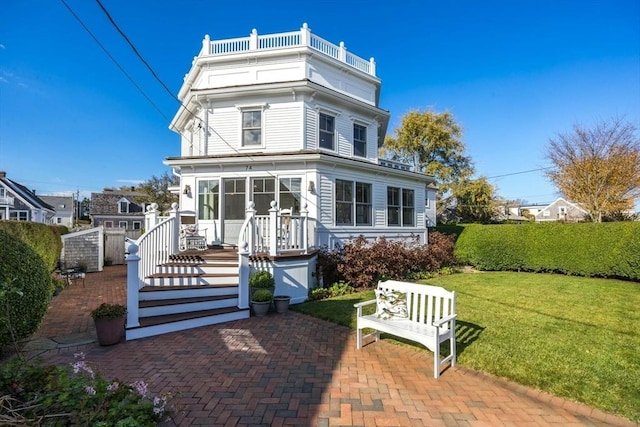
[(428, 318)]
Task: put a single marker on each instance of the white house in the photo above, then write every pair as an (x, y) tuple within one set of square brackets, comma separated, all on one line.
[(19, 203), (279, 138), (293, 118), (64, 209), (558, 210)]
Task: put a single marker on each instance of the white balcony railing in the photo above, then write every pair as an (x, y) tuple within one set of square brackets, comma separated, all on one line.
[(300, 38), (6, 201)]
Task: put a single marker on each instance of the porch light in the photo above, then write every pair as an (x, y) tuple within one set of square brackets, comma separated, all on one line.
[(312, 186), (187, 189)]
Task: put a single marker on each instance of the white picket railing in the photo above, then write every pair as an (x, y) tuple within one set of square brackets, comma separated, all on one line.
[(300, 38)]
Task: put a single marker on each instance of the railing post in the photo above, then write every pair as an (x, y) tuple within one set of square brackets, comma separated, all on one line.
[(253, 40), (175, 229), (304, 214), (305, 35), (206, 46), (372, 66), (250, 213), (342, 52), (243, 275), (151, 216), (133, 285), (273, 228)]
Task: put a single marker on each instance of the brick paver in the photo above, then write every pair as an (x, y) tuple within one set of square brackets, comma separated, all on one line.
[(292, 369)]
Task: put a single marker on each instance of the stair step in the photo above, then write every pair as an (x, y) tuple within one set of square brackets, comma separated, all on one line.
[(157, 325), (189, 300), (153, 293)]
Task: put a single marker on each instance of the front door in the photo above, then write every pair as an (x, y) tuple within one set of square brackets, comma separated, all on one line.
[(234, 200)]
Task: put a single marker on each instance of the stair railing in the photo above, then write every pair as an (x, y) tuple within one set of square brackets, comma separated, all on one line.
[(143, 255)]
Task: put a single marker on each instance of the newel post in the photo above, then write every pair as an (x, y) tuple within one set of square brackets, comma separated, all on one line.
[(253, 40), (342, 52), (206, 45), (133, 285), (372, 66), (305, 35), (175, 229), (304, 214), (151, 216), (251, 241), (273, 228), (243, 275)]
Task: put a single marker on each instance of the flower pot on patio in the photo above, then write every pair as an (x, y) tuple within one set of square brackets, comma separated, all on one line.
[(261, 301), (109, 320), (282, 303)]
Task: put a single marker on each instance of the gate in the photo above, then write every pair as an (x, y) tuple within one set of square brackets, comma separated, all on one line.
[(114, 244)]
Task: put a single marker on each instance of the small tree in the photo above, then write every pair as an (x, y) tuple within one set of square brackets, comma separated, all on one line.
[(157, 188), (598, 167), (475, 200)]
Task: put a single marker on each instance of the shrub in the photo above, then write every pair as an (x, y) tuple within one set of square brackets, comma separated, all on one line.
[(76, 395), (40, 237), (261, 280), (367, 262), (585, 249), (108, 311), (327, 264), (262, 295), (25, 289)]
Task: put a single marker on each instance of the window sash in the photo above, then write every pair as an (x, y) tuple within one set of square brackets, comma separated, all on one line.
[(327, 131), (408, 208), (124, 207), (290, 194), (251, 128), (393, 206), (344, 202), (359, 140), (363, 203), (234, 198), (263, 193)]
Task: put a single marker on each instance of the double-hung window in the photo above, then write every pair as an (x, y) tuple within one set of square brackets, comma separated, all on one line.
[(123, 206), (327, 128), (353, 201), (251, 128), (359, 140), (400, 207)]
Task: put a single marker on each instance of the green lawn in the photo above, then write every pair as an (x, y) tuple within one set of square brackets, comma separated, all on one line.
[(575, 337)]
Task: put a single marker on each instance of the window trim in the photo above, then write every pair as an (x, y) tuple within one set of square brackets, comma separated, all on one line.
[(246, 108), (120, 202), (401, 207), (354, 203), (126, 223)]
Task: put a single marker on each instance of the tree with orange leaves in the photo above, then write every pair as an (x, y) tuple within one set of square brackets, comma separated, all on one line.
[(597, 167)]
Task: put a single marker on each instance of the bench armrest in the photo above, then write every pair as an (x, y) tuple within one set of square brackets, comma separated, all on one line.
[(359, 306), (444, 320), (362, 304)]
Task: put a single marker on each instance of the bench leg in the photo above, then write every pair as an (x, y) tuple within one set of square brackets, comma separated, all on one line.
[(358, 339)]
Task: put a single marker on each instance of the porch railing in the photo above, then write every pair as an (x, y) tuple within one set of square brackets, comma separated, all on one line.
[(303, 37), (274, 234)]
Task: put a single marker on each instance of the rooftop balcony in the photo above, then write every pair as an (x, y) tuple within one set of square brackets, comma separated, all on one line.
[(6, 201), (280, 41)]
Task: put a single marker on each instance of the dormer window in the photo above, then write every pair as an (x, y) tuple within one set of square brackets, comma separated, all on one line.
[(327, 128), (123, 206)]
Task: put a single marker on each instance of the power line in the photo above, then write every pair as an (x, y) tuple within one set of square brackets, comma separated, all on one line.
[(135, 50), (519, 173), (114, 60)]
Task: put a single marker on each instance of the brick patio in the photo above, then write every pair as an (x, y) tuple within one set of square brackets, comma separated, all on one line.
[(293, 369)]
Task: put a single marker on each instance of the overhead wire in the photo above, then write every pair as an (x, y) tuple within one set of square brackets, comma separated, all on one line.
[(120, 67)]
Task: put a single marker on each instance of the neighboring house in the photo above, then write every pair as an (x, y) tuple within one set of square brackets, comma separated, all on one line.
[(118, 209), (293, 118), (64, 209), (19, 203), (558, 210)]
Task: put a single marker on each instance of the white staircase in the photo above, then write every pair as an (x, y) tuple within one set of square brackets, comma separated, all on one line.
[(192, 289)]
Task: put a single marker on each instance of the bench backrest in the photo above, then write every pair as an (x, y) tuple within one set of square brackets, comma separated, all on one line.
[(425, 303)]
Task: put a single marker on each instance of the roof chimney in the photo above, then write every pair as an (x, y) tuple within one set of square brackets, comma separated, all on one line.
[(3, 174)]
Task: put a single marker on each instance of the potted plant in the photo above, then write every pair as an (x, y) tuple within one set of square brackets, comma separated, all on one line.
[(261, 280), (282, 303), (260, 302), (109, 320)]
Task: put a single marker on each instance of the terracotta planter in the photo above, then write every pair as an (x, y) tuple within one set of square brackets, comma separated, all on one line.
[(109, 331), (282, 303)]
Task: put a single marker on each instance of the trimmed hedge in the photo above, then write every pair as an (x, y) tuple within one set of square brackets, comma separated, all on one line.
[(583, 249), (21, 270), (43, 239)]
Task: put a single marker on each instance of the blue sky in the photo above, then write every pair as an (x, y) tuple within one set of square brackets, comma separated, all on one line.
[(513, 73)]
